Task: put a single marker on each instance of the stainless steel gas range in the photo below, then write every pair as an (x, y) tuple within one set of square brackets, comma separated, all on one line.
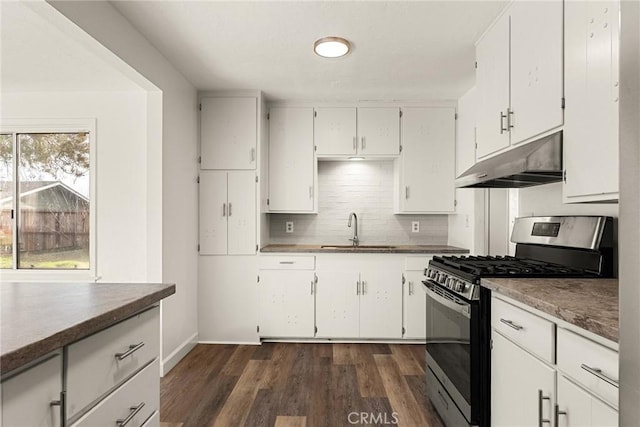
[(458, 308)]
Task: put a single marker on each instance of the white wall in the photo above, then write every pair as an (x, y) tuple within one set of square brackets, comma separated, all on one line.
[(366, 188), (174, 209), (629, 214), (547, 200), (121, 175)]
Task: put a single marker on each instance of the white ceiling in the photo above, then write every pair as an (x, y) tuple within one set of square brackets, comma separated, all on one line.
[(402, 50), (38, 56)]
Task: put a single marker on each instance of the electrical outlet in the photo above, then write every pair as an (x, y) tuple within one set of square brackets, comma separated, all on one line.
[(415, 226), (288, 226)]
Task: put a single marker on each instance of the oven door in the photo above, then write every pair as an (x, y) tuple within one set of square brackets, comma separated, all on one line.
[(449, 343)]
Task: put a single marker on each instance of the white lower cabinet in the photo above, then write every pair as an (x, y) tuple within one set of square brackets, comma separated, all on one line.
[(338, 304), (135, 401), (27, 397), (524, 371), (579, 408), (520, 385), (287, 303), (414, 309), (359, 297)]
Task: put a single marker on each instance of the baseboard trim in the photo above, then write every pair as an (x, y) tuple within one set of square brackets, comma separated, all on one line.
[(176, 355), (231, 342), (345, 341)]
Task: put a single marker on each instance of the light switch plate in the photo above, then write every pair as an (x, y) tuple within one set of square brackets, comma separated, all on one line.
[(415, 226), (288, 227)]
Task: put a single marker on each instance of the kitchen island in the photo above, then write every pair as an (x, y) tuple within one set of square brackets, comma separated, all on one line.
[(81, 354), (40, 317)]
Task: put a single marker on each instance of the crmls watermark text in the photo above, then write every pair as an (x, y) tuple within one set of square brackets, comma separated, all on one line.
[(371, 418)]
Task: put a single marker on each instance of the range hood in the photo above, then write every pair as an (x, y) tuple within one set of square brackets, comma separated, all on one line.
[(535, 163)]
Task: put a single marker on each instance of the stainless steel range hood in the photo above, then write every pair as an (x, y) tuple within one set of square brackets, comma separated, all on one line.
[(535, 163)]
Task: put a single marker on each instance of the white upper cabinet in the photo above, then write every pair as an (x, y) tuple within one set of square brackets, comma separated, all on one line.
[(228, 132), (492, 87), (365, 131), (379, 130), (590, 137), (519, 76), (335, 131), (536, 68), (291, 160), (227, 213), (427, 170)]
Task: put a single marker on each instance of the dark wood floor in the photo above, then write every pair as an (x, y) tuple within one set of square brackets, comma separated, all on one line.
[(306, 384)]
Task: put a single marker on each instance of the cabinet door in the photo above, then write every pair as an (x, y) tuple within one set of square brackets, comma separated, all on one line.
[(380, 303), (590, 136), (334, 131), (228, 133), (415, 315), (516, 378), (492, 86), (379, 131), (213, 213), (291, 160), (27, 397), (241, 198), (581, 408), (536, 68), (286, 304), (428, 160), (337, 304)]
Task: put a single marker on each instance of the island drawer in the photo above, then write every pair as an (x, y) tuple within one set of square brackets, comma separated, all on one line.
[(103, 361), (590, 364), (532, 332), (137, 400)]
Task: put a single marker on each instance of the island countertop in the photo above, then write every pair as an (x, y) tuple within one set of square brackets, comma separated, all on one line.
[(590, 304), (384, 249), (38, 318)]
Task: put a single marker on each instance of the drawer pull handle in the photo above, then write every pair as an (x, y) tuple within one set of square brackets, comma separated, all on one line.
[(512, 325), (133, 413), (540, 399), (598, 373), (132, 349), (287, 262)]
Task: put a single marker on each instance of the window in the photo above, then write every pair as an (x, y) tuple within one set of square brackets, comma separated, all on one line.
[(48, 226)]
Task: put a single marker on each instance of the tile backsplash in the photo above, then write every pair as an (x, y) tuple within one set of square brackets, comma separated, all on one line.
[(366, 188)]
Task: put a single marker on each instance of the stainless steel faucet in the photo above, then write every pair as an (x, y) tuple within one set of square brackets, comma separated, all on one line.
[(355, 239)]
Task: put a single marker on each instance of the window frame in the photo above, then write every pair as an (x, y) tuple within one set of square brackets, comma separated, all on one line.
[(49, 125)]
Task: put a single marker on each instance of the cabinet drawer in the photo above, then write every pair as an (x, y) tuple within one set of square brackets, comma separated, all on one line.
[(532, 332), (288, 262), (94, 367), (153, 421), (581, 359), (141, 393), (417, 263)]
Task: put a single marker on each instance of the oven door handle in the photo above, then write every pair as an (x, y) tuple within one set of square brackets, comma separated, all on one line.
[(455, 306)]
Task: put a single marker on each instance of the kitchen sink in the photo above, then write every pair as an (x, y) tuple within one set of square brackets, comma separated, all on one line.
[(357, 247)]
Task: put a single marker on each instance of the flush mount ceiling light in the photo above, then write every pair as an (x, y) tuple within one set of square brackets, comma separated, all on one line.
[(331, 47)]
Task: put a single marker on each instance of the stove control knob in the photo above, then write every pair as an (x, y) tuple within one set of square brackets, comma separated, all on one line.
[(460, 287)]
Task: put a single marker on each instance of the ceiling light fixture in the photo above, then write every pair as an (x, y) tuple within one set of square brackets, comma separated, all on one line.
[(331, 47)]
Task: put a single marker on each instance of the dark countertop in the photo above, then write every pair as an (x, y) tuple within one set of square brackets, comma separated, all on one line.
[(394, 249), (38, 318), (590, 304)]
